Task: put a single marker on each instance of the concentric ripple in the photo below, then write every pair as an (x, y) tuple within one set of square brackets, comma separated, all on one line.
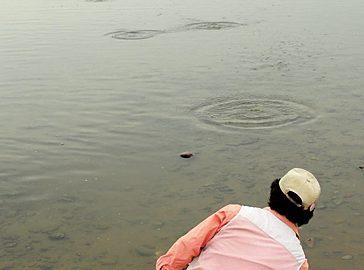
[(211, 25), (253, 113), (144, 34), (135, 35)]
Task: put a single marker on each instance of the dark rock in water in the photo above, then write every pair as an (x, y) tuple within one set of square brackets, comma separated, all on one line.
[(57, 236), (347, 257), (186, 154), (361, 167), (144, 251), (310, 242)]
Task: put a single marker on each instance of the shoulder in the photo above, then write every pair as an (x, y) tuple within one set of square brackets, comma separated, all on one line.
[(229, 211), (231, 208)]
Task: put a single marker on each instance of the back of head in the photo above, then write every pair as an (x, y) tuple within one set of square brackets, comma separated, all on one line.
[(294, 195)]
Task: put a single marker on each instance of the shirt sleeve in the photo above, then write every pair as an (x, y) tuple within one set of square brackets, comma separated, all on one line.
[(304, 266), (189, 246)]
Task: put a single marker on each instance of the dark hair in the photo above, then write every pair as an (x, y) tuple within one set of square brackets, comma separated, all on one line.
[(280, 203)]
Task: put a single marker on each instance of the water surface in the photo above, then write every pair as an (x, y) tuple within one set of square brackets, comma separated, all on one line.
[(90, 176)]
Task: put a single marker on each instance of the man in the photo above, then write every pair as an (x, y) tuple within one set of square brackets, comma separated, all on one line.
[(249, 238)]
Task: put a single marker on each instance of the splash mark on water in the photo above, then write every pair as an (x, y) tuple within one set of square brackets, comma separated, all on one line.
[(96, 1), (210, 26), (145, 34), (135, 35), (252, 113)]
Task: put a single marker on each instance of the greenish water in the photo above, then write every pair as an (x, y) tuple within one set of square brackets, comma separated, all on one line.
[(92, 123)]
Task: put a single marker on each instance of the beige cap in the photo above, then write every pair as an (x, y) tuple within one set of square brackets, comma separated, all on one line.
[(303, 183)]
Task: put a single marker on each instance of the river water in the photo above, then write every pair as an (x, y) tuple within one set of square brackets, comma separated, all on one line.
[(98, 98)]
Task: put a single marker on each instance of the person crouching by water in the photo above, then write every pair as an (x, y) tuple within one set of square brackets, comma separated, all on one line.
[(244, 237)]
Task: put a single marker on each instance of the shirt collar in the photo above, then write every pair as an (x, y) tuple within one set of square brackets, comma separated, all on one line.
[(290, 224)]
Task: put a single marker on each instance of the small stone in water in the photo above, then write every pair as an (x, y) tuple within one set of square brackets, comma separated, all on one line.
[(57, 236), (310, 242), (347, 257), (361, 167), (186, 154)]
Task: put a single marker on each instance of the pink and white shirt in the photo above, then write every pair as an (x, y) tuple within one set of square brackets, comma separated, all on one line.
[(235, 238)]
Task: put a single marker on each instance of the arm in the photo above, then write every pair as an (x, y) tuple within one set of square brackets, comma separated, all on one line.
[(189, 246), (304, 266)]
